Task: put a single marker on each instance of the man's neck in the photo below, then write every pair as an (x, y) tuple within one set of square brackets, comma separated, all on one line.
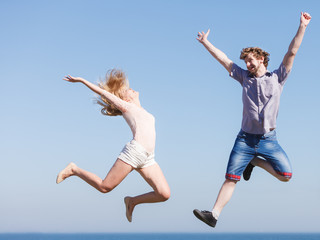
[(261, 71)]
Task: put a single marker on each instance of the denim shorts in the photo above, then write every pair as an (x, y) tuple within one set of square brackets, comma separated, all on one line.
[(247, 146)]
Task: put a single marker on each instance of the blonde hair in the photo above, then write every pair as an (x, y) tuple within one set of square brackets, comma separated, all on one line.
[(115, 82), (257, 53)]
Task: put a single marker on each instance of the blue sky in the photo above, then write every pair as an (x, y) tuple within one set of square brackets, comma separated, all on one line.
[(46, 122)]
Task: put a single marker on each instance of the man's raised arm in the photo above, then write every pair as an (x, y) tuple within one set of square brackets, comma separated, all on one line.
[(215, 52), (296, 41)]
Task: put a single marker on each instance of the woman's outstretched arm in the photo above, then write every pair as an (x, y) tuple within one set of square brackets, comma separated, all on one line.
[(112, 99), (90, 85)]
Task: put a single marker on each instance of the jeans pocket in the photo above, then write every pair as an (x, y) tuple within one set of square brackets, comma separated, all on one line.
[(270, 135), (241, 135)]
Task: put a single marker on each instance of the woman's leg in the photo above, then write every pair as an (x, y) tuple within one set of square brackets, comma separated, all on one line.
[(161, 191), (114, 177)]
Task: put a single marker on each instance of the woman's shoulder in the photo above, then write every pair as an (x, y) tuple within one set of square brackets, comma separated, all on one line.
[(133, 108)]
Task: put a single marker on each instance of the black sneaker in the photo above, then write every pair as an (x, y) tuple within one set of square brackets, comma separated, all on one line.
[(247, 172), (206, 217)]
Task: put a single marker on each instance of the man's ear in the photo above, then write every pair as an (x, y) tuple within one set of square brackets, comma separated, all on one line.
[(261, 59)]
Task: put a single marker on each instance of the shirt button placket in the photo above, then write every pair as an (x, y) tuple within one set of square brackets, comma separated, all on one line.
[(258, 101)]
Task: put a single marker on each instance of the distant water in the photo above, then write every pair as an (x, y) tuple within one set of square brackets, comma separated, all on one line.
[(163, 236)]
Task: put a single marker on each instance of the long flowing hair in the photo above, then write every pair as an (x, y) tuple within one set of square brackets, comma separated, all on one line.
[(116, 83)]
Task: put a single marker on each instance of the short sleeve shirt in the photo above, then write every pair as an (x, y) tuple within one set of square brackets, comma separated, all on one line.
[(260, 97)]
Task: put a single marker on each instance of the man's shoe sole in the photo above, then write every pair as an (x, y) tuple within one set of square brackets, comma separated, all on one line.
[(199, 215)]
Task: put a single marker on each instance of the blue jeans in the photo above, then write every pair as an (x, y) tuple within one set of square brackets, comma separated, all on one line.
[(247, 146)]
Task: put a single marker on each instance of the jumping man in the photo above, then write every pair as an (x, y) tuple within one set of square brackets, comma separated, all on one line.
[(256, 144)]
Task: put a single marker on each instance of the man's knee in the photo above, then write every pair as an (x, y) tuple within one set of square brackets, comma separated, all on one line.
[(284, 176), (284, 179)]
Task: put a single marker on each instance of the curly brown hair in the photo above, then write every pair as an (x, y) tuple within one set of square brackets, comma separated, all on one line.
[(257, 53), (116, 83)]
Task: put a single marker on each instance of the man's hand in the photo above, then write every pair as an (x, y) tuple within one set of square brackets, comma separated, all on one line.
[(296, 41), (215, 52), (305, 18), (203, 36)]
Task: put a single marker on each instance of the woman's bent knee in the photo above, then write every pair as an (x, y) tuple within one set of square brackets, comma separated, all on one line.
[(164, 195), (106, 189)]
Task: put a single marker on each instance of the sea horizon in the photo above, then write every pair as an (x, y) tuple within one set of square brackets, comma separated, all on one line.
[(162, 235)]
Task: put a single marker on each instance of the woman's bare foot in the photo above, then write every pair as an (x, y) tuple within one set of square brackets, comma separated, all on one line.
[(129, 208), (65, 173)]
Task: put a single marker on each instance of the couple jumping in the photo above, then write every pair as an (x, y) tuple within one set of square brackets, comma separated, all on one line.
[(255, 145)]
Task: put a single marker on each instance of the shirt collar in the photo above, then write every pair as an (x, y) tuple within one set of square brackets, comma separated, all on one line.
[(268, 74)]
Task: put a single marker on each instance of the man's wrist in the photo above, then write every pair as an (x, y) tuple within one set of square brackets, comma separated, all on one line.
[(303, 25), (205, 42)]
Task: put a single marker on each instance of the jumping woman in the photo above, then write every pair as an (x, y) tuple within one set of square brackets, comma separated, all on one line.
[(116, 98)]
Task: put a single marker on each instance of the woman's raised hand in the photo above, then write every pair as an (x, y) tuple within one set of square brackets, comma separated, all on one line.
[(69, 78)]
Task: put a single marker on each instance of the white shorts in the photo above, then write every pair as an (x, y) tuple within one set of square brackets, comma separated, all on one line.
[(136, 155)]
